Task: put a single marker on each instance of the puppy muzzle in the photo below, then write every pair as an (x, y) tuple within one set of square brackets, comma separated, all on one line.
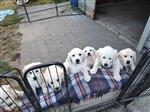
[(77, 61), (88, 54), (128, 62)]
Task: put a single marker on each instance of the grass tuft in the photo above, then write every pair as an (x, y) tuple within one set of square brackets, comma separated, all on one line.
[(4, 66)]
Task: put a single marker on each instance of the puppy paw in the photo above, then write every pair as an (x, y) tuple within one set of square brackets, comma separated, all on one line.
[(93, 71), (87, 78), (117, 77)]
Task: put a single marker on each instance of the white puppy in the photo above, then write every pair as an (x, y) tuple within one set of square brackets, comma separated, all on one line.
[(108, 57), (8, 96), (90, 53), (34, 77), (54, 75), (128, 58), (75, 63)]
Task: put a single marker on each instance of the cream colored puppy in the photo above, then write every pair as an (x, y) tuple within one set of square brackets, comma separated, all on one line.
[(7, 101), (108, 57), (127, 57), (54, 75), (90, 53), (75, 63)]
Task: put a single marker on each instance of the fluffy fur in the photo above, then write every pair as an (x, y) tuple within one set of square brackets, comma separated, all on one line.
[(54, 75), (75, 63), (90, 53), (108, 57), (6, 98), (127, 57)]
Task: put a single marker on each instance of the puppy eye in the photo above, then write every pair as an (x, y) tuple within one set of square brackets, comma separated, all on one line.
[(80, 54), (73, 55), (110, 58), (125, 56), (57, 80), (90, 50), (85, 51), (131, 56), (7, 97), (36, 71), (104, 57), (30, 72)]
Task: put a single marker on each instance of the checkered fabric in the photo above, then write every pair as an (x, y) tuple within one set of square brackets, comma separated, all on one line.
[(101, 83)]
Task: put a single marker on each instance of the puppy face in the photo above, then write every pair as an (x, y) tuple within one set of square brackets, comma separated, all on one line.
[(34, 77), (89, 51), (107, 56), (54, 75), (127, 57), (76, 56)]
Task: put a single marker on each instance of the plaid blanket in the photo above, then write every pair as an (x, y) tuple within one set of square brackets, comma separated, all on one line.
[(101, 83)]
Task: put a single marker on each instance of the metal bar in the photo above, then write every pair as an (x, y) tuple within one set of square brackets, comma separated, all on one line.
[(6, 104), (56, 8), (16, 93), (45, 84), (52, 84), (84, 6), (10, 98), (32, 12), (52, 17), (59, 82), (26, 12)]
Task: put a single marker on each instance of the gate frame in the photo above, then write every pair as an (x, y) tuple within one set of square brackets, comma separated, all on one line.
[(25, 79), (56, 7)]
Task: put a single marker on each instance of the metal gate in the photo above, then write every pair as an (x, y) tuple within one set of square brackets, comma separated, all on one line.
[(13, 94), (138, 85), (58, 8)]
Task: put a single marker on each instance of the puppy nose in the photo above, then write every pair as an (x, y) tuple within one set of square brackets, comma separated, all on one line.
[(128, 62), (10, 104), (77, 60), (105, 64), (89, 54), (57, 88)]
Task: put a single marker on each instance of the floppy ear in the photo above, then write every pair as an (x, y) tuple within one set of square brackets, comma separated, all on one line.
[(115, 59), (120, 56), (99, 53), (84, 56), (68, 59), (134, 56), (94, 52)]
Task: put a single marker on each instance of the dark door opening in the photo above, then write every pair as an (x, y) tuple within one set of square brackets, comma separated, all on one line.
[(128, 18)]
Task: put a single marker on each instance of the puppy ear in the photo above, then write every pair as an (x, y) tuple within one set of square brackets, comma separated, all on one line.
[(84, 56), (115, 59), (116, 62), (68, 59), (99, 53), (134, 56), (120, 56)]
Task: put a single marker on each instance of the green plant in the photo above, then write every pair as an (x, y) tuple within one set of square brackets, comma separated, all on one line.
[(4, 66)]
